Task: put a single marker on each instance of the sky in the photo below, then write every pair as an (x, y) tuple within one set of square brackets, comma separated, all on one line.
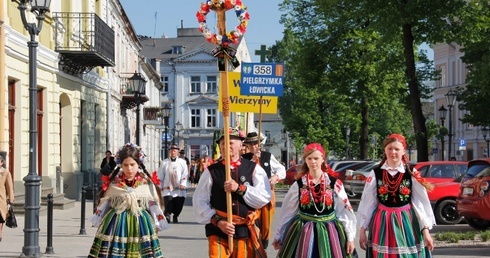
[(155, 18), (165, 16)]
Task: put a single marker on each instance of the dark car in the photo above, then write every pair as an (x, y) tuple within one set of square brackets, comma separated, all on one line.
[(473, 201)]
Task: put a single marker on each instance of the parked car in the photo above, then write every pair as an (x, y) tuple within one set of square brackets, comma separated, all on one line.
[(355, 179), (291, 172), (445, 176), (473, 201)]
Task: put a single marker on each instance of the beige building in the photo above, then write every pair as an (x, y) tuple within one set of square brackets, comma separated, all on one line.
[(87, 52), (447, 59)]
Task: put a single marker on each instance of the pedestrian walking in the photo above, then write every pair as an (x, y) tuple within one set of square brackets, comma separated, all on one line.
[(250, 190), (395, 210), (275, 172), (173, 175), (129, 214), (6, 193), (108, 164), (317, 219)]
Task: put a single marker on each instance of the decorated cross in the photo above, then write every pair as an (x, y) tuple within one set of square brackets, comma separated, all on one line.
[(223, 38), (263, 52)]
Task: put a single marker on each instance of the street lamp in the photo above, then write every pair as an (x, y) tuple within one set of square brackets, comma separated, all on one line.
[(32, 181), (347, 134), (485, 131), (166, 114), (442, 133), (451, 99), (137, 84), (178, 128)]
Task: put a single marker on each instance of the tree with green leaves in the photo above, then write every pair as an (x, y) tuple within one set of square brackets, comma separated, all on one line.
[(369, 55)]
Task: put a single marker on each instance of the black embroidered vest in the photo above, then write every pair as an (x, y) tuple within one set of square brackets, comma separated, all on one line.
[(391, 195), (309, 207), (218, 195), (265, 161)]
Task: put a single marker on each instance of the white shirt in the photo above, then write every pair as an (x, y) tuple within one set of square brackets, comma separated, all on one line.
[(420, 200), (171, 185), (277, 168), (342, 207)]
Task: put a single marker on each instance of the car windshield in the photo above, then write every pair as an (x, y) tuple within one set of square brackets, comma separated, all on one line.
[(368, 167), (478, 170)]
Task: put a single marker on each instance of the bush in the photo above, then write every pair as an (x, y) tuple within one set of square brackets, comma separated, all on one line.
[(485, 236)]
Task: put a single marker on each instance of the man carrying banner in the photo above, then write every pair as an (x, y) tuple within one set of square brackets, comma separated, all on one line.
[(275, 172), (249, 192)]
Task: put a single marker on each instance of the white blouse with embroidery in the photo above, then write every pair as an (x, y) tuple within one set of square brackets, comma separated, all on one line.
[(342, 207), (420, 200)]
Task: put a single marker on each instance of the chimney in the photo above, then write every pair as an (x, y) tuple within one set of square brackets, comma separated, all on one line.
[(181, 24)]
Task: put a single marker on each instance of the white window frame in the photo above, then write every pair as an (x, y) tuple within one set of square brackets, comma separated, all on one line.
[(164, 81), (195, 86), (211, 85), (195, 118), (211, 118)]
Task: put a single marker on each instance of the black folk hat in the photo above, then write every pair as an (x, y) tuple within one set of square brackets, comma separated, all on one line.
[(174, 147), (252, 137)]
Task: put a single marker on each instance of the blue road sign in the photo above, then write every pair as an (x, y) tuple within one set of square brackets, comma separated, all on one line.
[(262, 79), (462, 144)]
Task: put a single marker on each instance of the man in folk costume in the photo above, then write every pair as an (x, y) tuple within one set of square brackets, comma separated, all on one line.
[(250, 191), (275, 172), (173, 176)]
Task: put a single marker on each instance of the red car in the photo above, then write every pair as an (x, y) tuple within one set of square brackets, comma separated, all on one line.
[(445, 176), (473, 201)]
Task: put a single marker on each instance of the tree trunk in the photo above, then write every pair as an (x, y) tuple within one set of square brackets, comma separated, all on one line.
[(415, 103)]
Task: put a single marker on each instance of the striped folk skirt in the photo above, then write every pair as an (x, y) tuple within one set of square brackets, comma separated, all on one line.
[(126, 235), (395, 232), (308, 236)]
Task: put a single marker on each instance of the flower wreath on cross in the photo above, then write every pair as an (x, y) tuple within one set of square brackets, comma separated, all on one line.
[(223, 49)]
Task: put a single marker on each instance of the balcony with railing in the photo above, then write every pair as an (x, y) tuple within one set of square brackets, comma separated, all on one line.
[(84, 41), (129, 98), (152, 115)]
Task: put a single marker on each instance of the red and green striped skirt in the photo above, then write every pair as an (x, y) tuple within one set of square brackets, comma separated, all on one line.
[(309, 236), (126, 235), (396, 234)]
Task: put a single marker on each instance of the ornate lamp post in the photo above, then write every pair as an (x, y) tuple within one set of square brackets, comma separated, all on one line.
[(451, 99), (347, 135), (485, 131), (138, 83), (32, 181), (178, 128), (442, 132), (166, 114)]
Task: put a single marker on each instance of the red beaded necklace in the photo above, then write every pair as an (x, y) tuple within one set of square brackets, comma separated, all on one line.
[(318, 195), (392, 184)]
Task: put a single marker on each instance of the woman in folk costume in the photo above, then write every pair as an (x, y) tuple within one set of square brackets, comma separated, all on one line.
[(129, 213), (317, 219), (395, 208)]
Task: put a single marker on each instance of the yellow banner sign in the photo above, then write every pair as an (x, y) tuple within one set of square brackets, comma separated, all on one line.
[(245, 103)]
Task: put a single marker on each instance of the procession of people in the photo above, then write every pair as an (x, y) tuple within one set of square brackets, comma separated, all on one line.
[(394, 216)]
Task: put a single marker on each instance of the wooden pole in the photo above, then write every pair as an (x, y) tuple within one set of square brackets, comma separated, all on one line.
[(260, 120), (226, 152), (221, 20)]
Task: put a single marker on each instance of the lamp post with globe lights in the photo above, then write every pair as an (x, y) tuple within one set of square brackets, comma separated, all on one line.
[(137, 83), (166, 114), (451, 99), (442, 130), (32, 181)]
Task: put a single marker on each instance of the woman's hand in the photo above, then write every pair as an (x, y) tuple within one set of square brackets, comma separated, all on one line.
[(276, 244), (350, 247), (428, 239), (363, 239)]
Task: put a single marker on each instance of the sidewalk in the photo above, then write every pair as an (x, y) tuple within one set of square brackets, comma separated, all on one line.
[(185, 239)]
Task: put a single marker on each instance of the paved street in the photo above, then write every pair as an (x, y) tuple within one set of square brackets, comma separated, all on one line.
[(185, 239)]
